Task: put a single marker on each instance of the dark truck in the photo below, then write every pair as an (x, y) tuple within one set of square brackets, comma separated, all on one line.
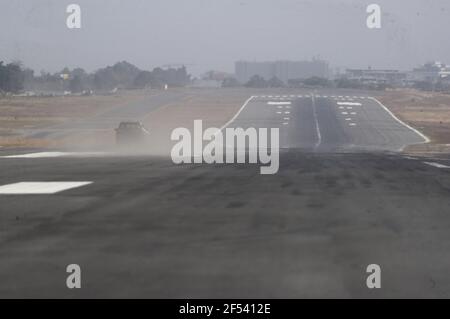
[(131, 133)]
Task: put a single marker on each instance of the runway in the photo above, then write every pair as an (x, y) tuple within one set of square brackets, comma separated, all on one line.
[(316, 122), (140, 226)]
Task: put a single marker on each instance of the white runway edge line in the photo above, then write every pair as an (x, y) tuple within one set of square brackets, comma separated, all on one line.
[(316, 121), (425, 138), (237, 114), (436, 165), (39, 188)]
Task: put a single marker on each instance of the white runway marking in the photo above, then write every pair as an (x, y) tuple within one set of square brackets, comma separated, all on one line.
[(341, 107), (316, 121), (279, 112), (344, 113), (285, 123), (349, 103), (286, 118), (237, 114), (287, 112), (352, 124), (353, 113), (55, 154), (39, 188), (279, 103), (349, 107), (437, 165), (425, 138), (348, 119)]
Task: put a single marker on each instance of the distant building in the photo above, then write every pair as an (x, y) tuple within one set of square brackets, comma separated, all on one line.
[(430, 72), (373, 76), (284, 70)]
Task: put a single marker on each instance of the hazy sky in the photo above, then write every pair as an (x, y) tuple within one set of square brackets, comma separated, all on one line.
[(212, 34)]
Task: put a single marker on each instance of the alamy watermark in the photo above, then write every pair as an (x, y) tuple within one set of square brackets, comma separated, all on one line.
[(231, 145), (73, 20), (374, 19), (73, 281)]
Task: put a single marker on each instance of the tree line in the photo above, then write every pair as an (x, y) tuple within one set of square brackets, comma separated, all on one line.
[(14, 78)]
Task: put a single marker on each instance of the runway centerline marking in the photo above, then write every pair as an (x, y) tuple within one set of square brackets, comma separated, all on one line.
[(39, 188), (316, 121)]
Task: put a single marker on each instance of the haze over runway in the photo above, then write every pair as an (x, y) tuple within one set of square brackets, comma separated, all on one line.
[(140, 226)]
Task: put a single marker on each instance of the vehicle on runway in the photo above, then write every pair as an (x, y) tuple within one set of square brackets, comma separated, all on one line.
[(130, 133)]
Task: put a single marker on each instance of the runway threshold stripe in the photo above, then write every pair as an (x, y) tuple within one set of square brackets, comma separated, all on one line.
[(349, 103), (39, 188), (279, 103)]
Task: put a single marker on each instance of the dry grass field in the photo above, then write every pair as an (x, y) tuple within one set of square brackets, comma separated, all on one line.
[(18, 114), (426, 111)]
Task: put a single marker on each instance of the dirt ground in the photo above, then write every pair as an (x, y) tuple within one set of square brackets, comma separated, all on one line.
[(213, 106), (426, 111), (429, 112), (21, 113)]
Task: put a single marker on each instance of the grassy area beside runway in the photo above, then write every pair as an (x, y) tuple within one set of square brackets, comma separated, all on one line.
[(428, 112)]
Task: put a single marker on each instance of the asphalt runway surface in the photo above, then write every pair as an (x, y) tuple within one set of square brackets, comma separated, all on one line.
[(343, 198)]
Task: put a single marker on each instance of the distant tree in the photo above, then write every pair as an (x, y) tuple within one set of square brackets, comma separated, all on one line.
[(12, 77), (144, 79), (256, 81), (275, 82), (344, 83), (316, 81), (76, 85), (121, 74), (230, 83), (3, 77)]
